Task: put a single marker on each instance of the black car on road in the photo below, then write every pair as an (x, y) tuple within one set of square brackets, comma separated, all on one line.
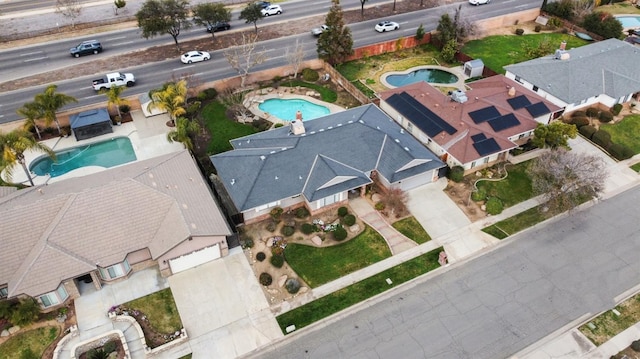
[(218, 26), (86, 48)]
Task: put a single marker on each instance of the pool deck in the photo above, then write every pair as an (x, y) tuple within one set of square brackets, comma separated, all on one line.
[(255, 98), (454, 70), (148, 136)]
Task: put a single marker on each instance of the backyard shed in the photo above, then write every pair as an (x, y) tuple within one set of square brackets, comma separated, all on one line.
[(474, 68), (92, 123)]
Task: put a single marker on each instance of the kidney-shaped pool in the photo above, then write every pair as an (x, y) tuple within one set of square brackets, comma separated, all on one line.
[(285, 109)]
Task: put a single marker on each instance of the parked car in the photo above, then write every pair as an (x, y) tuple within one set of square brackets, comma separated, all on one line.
[(386, 25), (319, 30), (479, 2), (195, 56), (263, 4), (272, 10), (218, 26), (86, 48)]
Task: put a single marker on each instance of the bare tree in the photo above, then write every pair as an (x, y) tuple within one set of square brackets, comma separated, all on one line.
[(244, 56), (566, 178), (295, 57), (582, 8), (396, 199), (70, 9)]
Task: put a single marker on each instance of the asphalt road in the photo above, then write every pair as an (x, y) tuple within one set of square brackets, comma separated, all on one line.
[(151, 75), (497, 304)]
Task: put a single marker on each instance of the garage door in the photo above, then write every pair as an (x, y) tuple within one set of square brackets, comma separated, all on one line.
[(194, 259), (416, 181)]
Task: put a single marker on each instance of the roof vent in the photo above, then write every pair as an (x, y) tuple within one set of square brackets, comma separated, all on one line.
[(561, 55), (512, 91), (459, 96), (262, 158), (233, 181)]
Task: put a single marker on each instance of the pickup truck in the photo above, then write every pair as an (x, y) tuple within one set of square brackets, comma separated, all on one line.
[(319, 30), (114, 78)]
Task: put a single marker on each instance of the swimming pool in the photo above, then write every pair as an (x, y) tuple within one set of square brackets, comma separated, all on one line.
[(107, 153), (285, 109), (427, 75), (629, 21)]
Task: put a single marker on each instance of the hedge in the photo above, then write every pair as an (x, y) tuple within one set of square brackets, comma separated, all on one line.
[(602, 138)]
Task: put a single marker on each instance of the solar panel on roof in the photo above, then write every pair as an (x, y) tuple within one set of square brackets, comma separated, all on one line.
[(519, 102), (484, 114), (478, 137), (486, 147), (538, 109), (504, 122), (423, 118)]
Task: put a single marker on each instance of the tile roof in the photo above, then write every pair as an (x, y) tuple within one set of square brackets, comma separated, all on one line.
[(487, 112), (64, 229), (336, 153), (603, 67)]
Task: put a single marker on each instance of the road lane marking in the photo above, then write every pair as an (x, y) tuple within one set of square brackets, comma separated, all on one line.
[(116, 38), (36, 59), (31, 53), (122, 43)]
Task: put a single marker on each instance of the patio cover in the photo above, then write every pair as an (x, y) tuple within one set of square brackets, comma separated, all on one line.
[(90, 123)]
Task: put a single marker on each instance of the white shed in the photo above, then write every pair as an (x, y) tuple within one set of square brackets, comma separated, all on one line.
[(474, 68)]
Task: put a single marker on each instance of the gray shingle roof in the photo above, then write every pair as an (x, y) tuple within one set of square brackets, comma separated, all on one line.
[(604, 67), (64, 229), (334, 154)]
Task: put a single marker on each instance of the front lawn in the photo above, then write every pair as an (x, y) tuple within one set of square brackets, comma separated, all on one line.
[(317, 266), (160, 310), (512, 190), (520, 221), (625, 132), (30, 342), (222, 129), (412, 229), (358, 292), (501, 50)]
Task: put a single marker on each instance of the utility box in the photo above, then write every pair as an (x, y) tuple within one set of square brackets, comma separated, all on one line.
[(474, 68)]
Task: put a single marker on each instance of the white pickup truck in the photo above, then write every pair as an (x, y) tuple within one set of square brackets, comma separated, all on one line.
[(114, 78)]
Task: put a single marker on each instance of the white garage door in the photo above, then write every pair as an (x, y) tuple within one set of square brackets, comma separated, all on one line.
[(415, 181), (194, 259)]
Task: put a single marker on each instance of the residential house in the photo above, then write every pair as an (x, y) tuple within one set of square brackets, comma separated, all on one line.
[(77, 234), (317, 163), (603, 72), (472, 129)]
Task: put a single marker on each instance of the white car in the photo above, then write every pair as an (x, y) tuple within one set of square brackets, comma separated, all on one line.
[(195, 56), (387, 26), (271, 10), (479, 2)]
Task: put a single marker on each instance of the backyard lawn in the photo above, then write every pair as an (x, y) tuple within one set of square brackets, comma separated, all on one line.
[(30, 342), (625, 132), (222, 129), (512, 190), (619, 8), (317, 266), (412, 229)]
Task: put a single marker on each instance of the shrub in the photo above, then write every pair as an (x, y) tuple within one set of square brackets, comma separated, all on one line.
[(342, 211), (271, 226), (349, 220), (302, 212), (587, 131), (554, 23), (592, 112), (25, 312), (287, 231), (635, 345), (277, 125), (602, 138), (109, 347), (494, 206), (456, 174), (479, 195), (580, 121), (616, 109), (310, 75), (246, 242), (260, 256), (605, 116), (292, 285), (209, 94), (519, 31), (379, 206), (266, 279), (124, 109), (307, 228), (27, 353), (275, 213), (277, 261), (563, 9), (538, 28), (420, 33), (603, 24), (339, 233), (579, 114), (620, 152), (5, 309)]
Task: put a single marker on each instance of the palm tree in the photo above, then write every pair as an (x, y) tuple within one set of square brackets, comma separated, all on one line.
[(184, 128), (31, 112), (114, 97), (171, 98), (50, 102), (13, 146)]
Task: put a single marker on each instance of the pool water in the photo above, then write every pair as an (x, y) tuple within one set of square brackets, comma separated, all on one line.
[(285, 109), (428, 75), (107, 153), (629, 21)]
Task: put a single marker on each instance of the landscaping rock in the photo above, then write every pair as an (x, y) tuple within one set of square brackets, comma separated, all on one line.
[(282, 280), (355, 228), (376, 198), (270, 242), (316, 240), (5, 333), (14, 329), (303, 290), (273, 291)]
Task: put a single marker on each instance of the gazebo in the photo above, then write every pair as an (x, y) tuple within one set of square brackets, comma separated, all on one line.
[(90, 123)]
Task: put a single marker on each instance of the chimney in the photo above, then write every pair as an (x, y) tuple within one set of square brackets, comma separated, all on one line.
[(512, 91), (298, 115), (563, 45)]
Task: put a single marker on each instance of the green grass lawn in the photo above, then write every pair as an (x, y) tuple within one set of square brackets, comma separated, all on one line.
[(608, 324), (520, 221), (33, 341), (619, 8), (160, 309), (222, 129), (512, 190), (317, 266), (412, 229), (358, 292), (625, 132), (636, 167), (326, 95), (501, 50)]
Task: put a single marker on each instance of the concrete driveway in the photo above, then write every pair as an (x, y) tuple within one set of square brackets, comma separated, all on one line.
[(223, 309)]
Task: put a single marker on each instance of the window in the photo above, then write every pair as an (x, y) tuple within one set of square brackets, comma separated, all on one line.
[(473, 164), (410, 127), (54, 298), (115, 271), (330, 200), (4, 292)]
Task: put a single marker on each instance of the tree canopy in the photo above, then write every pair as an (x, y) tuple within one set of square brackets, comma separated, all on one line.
[(554, 135), (251, 14), (208, 14), (157, 17), (336, 43)]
